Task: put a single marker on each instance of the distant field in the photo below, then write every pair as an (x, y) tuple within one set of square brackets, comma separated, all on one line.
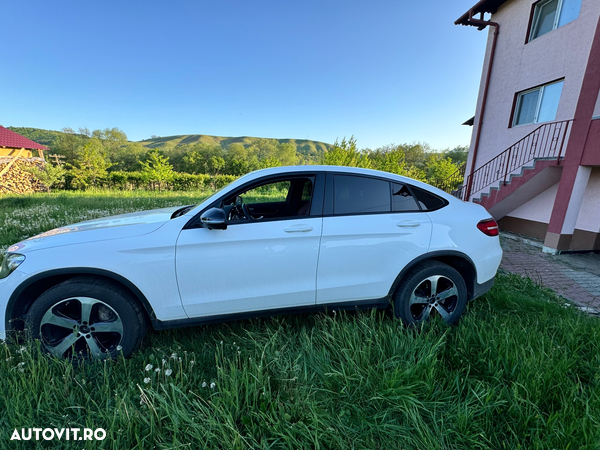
[(521, 370)]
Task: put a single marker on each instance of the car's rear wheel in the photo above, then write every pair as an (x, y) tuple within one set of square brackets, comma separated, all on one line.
[(432, 288), (87, 318)]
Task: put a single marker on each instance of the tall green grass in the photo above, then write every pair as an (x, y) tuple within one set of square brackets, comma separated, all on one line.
[(521, 370)]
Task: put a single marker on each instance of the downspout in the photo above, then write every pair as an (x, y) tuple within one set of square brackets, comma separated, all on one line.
[(481, 24)]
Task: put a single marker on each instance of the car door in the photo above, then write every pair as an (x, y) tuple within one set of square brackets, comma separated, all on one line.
[(263, 263), (372, 228)]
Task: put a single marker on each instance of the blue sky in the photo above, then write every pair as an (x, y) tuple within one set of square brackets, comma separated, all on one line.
[(384, 71)]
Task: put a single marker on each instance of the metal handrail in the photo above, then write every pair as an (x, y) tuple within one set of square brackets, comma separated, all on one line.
[(546, 141)]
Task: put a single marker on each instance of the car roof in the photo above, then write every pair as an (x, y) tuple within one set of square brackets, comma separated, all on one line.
[(345, 169)]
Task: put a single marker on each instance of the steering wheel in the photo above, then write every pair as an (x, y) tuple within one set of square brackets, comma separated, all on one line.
[(246, 211)]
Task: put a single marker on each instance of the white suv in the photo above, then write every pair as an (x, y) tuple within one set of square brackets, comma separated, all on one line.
[(275, 241)]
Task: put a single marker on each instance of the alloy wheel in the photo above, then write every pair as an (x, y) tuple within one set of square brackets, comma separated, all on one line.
[(81, 326)]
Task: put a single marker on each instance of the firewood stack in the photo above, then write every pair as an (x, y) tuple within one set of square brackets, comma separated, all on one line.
[(17, 180)]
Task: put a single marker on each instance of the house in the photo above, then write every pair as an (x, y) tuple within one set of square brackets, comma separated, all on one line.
[(534, 157)]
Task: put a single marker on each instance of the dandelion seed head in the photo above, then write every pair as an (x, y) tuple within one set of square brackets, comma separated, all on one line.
[(168, 372), (149, 367), (204, 384), (146, 380), (212, 385)]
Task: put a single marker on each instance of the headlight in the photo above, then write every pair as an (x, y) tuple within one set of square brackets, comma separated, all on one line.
[(9, 263)]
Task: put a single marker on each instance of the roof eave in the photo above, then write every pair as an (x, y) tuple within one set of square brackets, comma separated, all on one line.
[(483, 6)]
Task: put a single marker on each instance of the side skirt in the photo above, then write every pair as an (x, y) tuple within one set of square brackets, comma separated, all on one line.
[(365, 304)]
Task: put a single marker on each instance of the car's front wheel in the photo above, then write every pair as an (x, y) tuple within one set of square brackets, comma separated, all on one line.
[(432, 288), (87, 318)]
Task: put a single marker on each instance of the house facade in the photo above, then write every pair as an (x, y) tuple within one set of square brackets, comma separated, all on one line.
[(534, 156)]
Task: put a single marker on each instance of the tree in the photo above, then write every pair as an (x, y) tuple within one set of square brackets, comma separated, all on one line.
[(128, 157), (203, 158), (286, 154), (345, 153), (68, 144), (112, 139), (416, 154), (240, 160), (157, 169), (270, 162), (49, 175), (458, 154), (439, 169), (389, 159), (90, 164)]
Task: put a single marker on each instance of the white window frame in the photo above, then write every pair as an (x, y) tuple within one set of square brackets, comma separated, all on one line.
[(536, 18), (537, 107)]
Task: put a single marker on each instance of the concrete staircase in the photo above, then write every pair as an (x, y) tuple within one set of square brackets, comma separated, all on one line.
[(520, 187), (521, 172)]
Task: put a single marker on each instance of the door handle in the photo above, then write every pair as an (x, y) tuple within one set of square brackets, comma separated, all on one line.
[(408, 223), (298, 229)]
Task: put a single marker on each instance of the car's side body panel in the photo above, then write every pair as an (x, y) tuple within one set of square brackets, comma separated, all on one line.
[(361, 255), (456, 229), (147, 261), (248, 266)]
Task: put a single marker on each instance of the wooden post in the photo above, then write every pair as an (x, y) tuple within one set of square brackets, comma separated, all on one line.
[(6, 169)]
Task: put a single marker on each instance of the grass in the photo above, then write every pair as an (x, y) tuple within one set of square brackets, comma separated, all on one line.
[(521, 370)]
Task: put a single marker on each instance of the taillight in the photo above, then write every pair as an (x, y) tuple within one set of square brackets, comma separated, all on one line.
[(489, 227)]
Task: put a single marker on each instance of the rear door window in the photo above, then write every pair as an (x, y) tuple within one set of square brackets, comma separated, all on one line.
[(403, 199), (360, 195)]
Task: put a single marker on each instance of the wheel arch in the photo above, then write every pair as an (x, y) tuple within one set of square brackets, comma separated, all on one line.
[(459, 261), (27, 292)]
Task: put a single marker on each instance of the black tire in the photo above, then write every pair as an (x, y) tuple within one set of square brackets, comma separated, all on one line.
[(87, 318), (414, 300)]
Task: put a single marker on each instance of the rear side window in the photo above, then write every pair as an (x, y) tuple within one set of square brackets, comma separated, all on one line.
[(403, 199), (428, 201), (356, 195)]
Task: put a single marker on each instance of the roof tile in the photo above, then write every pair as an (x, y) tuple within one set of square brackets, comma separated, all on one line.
[(11, 139)]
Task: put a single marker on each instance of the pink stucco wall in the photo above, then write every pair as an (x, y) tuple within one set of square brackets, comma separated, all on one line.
[(561, 53), (589, 213), (597, 108), (538, 208)]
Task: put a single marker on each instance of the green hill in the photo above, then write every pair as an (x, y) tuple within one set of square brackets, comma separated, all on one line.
[(303, 146)]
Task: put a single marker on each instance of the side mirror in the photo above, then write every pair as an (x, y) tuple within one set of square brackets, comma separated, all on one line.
[(214, 219)]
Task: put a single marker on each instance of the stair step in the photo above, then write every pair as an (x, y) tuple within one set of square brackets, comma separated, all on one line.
[(513, 175)]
